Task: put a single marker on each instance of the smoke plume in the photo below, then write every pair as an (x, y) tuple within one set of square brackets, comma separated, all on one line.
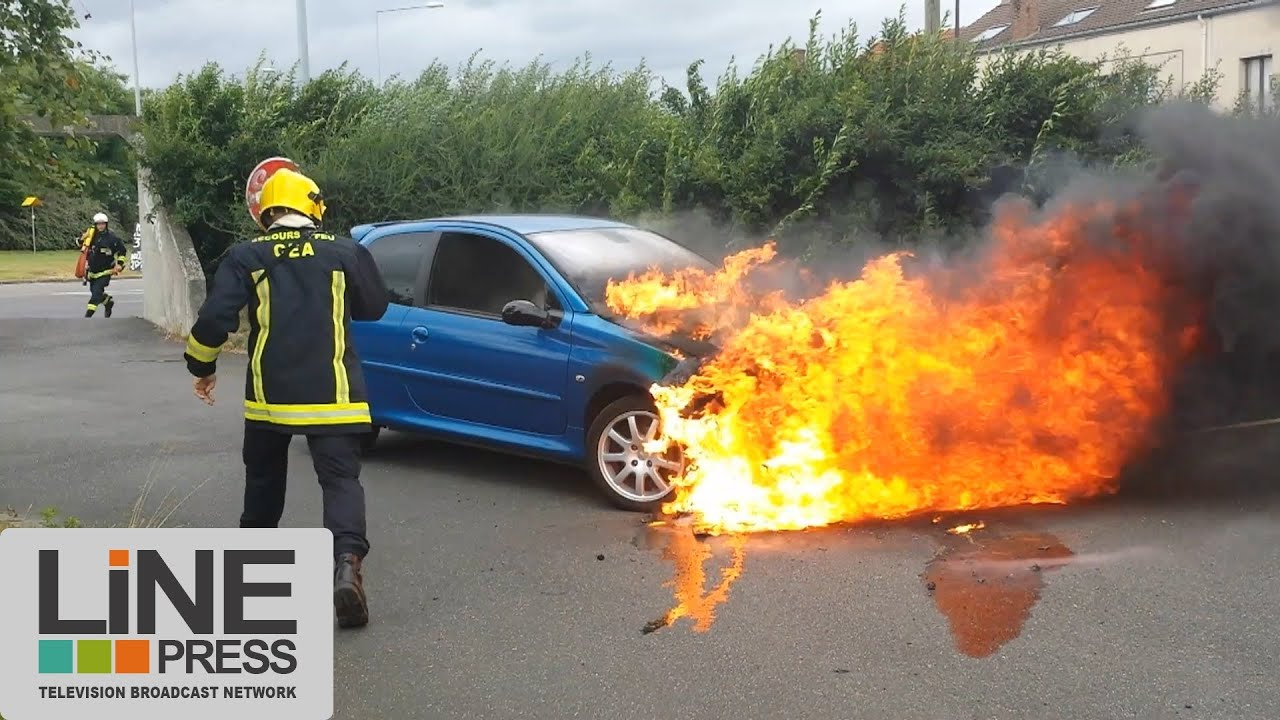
[(1205, 219)]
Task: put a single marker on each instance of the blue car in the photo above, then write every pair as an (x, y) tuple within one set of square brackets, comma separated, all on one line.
[(498, 335)]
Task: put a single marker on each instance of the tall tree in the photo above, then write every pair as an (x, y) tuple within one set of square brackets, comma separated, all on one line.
[(45, 73), (39, 73)]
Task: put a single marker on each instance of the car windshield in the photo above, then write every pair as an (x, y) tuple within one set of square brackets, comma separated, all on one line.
[(590, 258)]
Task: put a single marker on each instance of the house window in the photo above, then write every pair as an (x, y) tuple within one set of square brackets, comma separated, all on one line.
[(1257, 82), (990, 33), (1075, 16), (1159, 4)]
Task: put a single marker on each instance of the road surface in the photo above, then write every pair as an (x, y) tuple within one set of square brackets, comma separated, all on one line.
[(503, 588), (67, 299)]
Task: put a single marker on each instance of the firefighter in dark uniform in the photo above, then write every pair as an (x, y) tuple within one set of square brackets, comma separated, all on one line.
[(106, 258), (302, 287)]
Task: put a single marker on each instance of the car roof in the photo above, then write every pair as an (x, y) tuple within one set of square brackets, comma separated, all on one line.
[(522, 224)]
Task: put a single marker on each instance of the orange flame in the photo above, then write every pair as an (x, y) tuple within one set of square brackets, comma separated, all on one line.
[(693, 600), (1027, 376), (694, 301)]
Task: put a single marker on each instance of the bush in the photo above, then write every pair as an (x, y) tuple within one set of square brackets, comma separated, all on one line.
[(583, 141), (902, 136), (205, 133)]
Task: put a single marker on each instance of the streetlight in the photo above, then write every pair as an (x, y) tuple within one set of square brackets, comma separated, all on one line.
[(377, 28), (304, 55), (137, 83)]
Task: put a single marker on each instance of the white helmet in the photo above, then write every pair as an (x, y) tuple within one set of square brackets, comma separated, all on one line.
[(99, 218)]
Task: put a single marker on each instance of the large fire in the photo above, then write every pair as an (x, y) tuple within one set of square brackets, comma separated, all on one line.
[(1029, 375)]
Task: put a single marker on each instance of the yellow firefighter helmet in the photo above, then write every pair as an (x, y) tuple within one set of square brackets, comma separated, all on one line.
[(292, 190)]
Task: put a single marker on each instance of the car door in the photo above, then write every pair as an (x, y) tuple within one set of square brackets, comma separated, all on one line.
[(467, 364), (402, 259)]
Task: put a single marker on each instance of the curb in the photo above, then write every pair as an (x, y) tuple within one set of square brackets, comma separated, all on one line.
[(59, 280), (39, 280)]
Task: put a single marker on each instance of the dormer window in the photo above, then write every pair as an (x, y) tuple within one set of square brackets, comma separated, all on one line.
[(1075, 16), (990, 33)]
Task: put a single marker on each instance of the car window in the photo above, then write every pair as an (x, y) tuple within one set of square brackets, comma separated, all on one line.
[(478, 274), (398, 258), (590, 257)]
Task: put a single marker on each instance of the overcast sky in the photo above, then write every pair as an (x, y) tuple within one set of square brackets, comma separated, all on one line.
[(179, 36)]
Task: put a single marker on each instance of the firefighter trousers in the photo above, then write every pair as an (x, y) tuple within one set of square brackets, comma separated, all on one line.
[(336, 459), (98, 296)]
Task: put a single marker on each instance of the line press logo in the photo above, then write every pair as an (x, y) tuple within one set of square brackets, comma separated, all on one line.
[(124, 623)]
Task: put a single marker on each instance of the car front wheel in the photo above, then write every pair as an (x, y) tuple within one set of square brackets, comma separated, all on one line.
[(631, 477)]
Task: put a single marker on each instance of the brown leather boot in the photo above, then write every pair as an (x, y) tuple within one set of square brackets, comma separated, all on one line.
[(348, 592)]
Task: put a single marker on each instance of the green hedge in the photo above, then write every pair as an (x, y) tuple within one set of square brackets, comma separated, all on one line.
[(901, 137)]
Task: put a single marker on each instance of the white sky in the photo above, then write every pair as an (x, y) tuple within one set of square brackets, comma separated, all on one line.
[(179, 36)]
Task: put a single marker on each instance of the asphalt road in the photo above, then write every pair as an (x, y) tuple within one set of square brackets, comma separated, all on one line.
[(502, 588), (67, 299)]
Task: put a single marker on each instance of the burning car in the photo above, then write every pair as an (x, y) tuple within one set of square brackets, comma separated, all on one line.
[(500, 334)]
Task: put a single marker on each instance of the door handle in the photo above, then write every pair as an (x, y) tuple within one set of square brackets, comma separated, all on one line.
[(420, 334)]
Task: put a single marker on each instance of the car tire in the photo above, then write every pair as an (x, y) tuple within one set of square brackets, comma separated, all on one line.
[(626, 474), (369, 440)]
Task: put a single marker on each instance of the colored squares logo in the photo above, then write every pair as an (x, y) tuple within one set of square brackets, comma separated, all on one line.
[(56, 656), (133, 657), (94, 657)]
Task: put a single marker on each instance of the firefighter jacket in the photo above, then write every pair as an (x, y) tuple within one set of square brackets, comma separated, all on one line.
[(106, 251), (302, 288)]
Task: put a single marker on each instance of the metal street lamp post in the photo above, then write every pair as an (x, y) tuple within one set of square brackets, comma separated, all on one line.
[(304, 55), (377, 28), (137, 82)]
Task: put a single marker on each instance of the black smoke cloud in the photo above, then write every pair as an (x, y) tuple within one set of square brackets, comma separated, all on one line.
[(1232, 241), (1231, 246)]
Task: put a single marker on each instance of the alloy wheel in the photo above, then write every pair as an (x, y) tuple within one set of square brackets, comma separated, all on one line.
[(629, 469)]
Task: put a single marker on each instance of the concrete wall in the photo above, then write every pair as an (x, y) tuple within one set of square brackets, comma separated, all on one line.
[(1185, 50), (172, 281), (99, 126)]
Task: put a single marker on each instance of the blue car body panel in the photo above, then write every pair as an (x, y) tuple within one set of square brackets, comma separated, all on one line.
[(477, 380)]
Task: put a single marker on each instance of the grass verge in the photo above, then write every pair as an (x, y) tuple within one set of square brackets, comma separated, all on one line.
[(49, 517), (42, 265)]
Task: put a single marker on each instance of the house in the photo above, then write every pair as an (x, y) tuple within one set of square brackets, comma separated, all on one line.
[(878, 47), (1183, 38)]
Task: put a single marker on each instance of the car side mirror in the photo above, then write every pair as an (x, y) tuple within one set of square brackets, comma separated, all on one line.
[(523, 313)]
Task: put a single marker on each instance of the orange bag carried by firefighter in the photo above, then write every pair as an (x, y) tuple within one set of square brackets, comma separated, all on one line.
[(83, 259)]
